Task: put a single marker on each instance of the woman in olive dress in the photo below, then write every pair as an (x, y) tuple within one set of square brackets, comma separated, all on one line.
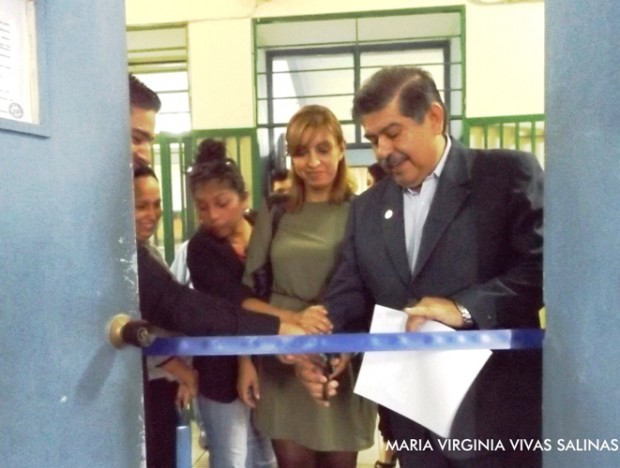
[(302, 253)]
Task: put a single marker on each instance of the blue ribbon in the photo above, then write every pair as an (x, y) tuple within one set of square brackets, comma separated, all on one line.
[(347, 343)]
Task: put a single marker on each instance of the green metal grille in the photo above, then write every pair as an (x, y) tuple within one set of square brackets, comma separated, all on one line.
[(520, 132)]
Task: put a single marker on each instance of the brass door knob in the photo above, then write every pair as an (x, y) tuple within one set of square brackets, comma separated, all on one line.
[(124, 330)]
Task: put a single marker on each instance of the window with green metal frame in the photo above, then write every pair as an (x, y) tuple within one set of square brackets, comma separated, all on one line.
[(158, 57), (520, 132), (323, 59)]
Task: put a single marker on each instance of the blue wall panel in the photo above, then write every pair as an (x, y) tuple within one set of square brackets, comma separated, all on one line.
[(67, 252), (582, 250)]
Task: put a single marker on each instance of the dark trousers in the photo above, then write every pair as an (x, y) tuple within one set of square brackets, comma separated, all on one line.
[(160, 420)]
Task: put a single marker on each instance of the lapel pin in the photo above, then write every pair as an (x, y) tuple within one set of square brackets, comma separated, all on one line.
[(388, 214)]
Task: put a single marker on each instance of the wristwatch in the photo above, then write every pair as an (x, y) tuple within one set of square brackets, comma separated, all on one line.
[(466, 316)]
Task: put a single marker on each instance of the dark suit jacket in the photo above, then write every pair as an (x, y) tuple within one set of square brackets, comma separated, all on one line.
[(481, 246), (168, 304)]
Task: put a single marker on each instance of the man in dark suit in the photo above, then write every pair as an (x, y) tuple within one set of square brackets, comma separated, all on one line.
[(454, 235)]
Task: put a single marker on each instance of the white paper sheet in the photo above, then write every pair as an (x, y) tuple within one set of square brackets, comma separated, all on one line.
[(425, 386)]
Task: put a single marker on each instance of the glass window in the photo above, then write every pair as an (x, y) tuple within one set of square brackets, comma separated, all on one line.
[(158, 57), (324, 60), (315, 82)]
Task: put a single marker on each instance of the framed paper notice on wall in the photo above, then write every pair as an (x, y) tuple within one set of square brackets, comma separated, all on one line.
[(20, 104)]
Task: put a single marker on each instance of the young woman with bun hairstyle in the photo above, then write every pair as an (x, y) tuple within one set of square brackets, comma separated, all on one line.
[(216, 259)]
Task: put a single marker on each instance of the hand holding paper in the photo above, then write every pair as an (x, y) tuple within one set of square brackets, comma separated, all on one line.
[(438, 309), (425, 386)]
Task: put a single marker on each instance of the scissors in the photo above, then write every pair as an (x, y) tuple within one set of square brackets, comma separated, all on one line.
[(328, 370)]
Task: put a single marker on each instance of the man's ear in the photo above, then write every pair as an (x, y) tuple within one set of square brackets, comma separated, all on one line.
[(436, 115)]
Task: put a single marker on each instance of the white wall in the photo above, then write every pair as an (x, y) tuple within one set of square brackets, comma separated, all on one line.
[(221, 73), (505, 59), (504, 51)]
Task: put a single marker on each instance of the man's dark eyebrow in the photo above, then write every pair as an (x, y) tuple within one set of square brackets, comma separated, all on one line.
[(369, 136), (145, 135)]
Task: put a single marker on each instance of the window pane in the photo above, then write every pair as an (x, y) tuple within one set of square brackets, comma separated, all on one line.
[(261, 112), (312, 62), (174, 123), (313, 83), (456, 129), (261, 86), (172, 89), (348, 131), (283, 109), (438, 74), (263, 141), (456, 79), (339, 105), (174, 102), (456, 103), (402, 57), (284, 85), (166, 81)]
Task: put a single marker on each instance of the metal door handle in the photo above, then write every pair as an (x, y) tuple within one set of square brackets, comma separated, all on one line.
[(123, 330)]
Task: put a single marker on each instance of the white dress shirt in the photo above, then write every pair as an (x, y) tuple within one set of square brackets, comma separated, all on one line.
[(416, 205)]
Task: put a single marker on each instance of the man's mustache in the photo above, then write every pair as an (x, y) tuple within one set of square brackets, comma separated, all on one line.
[(393, 160)]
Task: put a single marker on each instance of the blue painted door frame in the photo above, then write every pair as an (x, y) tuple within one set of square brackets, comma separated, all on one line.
[(582, 220), (67, 253)]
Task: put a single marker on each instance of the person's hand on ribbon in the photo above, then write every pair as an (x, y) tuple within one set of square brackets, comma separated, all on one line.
[(314, 320), (287, 328)]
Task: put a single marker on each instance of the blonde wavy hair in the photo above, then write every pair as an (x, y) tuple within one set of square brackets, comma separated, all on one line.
[(316, 118)]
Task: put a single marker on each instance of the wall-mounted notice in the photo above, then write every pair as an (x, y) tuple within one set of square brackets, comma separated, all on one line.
[(18, 62)]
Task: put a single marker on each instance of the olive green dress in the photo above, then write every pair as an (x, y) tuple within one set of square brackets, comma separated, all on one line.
[(303, 253)]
